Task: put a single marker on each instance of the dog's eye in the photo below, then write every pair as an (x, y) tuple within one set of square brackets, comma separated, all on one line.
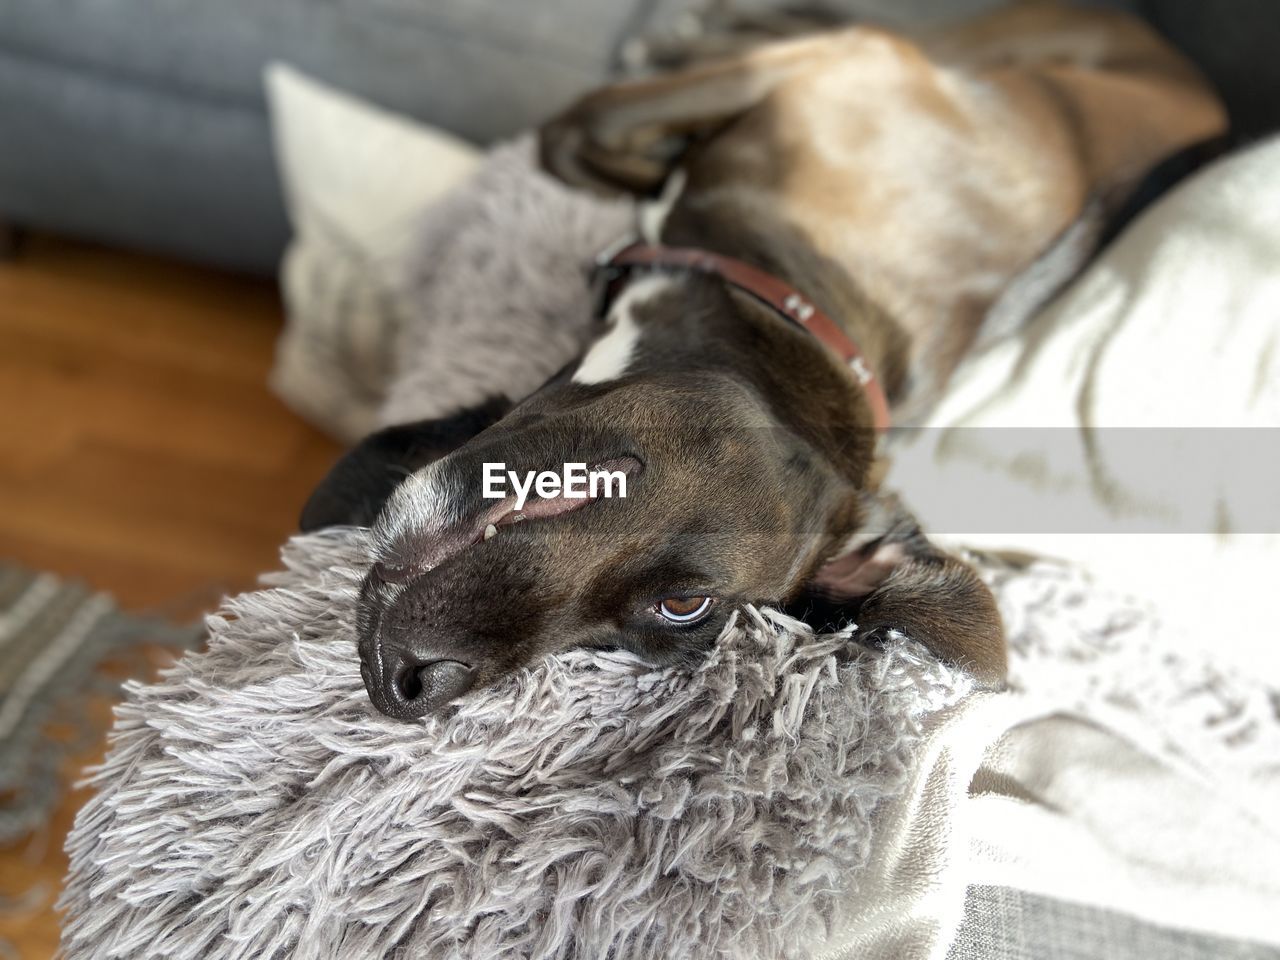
[(684, 609)]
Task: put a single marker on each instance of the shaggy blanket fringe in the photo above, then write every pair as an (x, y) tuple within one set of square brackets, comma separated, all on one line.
[(253, 803)]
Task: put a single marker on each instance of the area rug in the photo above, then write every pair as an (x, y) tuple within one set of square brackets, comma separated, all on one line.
[(54, 636)]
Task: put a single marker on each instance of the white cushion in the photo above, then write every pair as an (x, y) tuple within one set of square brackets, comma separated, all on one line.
[(357, 180)]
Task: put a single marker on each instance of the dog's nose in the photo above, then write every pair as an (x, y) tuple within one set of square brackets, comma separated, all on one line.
[(412, 687)]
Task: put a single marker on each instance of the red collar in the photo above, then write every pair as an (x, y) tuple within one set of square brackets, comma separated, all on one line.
[(766, 288)]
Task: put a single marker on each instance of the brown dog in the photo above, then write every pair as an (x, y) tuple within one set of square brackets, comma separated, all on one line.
[(922, 193)]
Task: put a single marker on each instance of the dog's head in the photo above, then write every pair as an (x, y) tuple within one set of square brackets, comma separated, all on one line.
[(730, 497), (746, 448)]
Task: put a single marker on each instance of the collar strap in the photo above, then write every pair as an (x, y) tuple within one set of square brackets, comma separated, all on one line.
[(768, 289)]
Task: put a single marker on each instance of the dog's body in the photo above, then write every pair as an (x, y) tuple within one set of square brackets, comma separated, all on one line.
[(932, 172), (914, 190)]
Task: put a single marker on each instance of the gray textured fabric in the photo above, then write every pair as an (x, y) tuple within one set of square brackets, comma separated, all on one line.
[(484, 297), (137, 166), (253, 803), (477, 67), (455, 349), (1001, 923)]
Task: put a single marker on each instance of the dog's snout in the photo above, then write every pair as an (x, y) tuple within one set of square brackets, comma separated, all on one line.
[(411, 687)]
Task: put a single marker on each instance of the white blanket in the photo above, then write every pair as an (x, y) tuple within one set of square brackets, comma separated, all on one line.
[(1112, 430), (1016, 793), (1139, 773)]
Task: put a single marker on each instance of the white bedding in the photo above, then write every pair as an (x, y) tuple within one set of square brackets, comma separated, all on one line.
[(1174, 330), (1083, 783)]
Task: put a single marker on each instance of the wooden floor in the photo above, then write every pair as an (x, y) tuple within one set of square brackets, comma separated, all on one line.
[(141, 451)]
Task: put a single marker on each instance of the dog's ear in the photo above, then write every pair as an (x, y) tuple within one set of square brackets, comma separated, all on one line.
[(355, 489), (895, 579), (629, 136)]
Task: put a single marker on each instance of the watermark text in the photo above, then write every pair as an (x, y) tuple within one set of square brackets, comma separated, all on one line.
[(575, 482)]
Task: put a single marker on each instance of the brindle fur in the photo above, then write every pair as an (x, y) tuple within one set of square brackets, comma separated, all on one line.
[(902, 184)]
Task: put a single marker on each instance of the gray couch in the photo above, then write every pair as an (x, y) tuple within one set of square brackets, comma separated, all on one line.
[(142, 122)]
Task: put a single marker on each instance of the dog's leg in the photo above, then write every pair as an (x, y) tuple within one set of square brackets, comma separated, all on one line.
[(1043, 32), (355, 489), (939, 601), (1134, 102), (1133, 99), (627, 137)]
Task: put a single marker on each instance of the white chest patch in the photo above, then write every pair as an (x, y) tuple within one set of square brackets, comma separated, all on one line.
[(609, 357)]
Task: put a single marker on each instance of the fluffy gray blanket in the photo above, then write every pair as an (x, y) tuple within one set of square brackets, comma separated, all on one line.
[(255, 805)]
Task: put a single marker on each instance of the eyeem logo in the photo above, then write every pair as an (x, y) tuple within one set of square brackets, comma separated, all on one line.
[(575, 483)]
